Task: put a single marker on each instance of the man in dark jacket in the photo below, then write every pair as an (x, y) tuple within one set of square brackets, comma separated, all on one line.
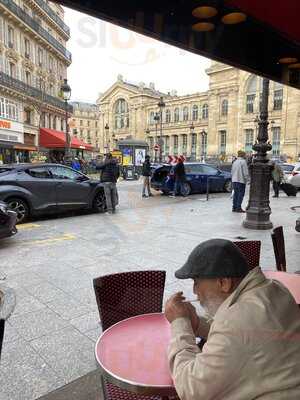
[(179, 177), (146, 175), (109, 176)]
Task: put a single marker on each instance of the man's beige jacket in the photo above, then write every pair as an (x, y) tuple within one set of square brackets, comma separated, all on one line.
[(252, 350)]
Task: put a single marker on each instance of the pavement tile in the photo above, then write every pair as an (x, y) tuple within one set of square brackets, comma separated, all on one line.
[(10, 333), (45, 292), (86, 322), (69, 309), (94, 334), (36, 324), (68, 352), (27, 304)]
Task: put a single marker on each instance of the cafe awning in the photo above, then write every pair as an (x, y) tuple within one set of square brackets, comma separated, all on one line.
[(52, 139), (264, 40)]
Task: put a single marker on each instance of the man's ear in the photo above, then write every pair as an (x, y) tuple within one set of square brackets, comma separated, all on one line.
[(226, 285)]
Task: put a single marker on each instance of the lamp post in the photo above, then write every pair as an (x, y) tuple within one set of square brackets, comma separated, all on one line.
[(156, 119), (161, 106), (203, 135), (66, 92), (258, 209), (106, 138)]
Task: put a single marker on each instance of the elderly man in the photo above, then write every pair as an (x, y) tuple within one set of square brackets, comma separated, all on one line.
[(253, 336), (239, 178)]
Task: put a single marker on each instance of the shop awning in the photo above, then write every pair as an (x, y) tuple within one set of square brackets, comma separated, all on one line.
[(52, 139), (25, 147)]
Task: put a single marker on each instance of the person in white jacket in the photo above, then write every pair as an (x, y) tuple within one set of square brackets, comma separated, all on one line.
[(239, 179)]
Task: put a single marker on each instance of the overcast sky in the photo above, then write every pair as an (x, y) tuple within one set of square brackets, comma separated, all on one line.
[(101, 51)]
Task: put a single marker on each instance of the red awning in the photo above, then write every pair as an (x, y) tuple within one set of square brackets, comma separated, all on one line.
[(52, 139)]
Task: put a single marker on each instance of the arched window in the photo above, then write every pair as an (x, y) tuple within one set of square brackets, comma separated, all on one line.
[(176, 115), (152, 118), (168, 116), (186, 114), (205, 111), (224, 108), (195, 112), (121, 114), (250, 94)]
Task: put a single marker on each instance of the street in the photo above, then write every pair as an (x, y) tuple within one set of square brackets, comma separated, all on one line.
[(51, 263)]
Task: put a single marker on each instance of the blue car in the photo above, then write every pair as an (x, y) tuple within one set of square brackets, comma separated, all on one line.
[(197, 175)]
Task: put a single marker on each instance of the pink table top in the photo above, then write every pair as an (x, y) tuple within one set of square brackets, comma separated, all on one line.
[(134, 351), (290, 281)]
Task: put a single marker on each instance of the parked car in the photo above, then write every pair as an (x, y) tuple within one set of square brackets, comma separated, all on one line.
[(287, 168), (294, 177), (197, 175), (8, 221), (33, 189)]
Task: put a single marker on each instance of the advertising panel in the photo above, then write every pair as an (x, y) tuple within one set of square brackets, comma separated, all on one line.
[(140, 155), (127, 156)]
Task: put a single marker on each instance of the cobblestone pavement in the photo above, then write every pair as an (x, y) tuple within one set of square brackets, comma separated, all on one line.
[(50, 263)]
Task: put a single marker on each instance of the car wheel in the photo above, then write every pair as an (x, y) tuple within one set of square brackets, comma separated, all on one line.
[(99, 202), (20, 207), (186, 189), (228, 187)]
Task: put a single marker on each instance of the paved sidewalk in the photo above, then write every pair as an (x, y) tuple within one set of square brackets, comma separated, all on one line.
[(50, 338)]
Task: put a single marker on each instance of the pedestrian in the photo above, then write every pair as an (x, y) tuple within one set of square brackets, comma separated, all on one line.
[(109, 176), (179, 177), (239, 178), (277, 178), (76, 164), (252, 329), (146, 172)]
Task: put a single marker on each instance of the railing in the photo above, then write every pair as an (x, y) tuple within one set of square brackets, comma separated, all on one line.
[(31, 91), (53, 16), (16, 10)]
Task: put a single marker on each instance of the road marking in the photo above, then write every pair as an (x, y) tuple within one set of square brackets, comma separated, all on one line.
[(24, 227), (62, 238)]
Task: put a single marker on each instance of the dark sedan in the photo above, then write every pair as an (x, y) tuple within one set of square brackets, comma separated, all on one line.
[(8, 221), (34, 189), (197, 176)]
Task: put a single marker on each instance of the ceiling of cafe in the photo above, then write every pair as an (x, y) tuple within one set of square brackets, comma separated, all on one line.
[(269, 33)]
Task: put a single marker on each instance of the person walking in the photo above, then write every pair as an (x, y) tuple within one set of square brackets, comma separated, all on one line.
[(76, 164), (239, 178), (179, 177), (109, 177), (277, 178), (146, 172)]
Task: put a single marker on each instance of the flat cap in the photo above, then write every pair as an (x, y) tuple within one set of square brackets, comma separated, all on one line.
[(214, 258)]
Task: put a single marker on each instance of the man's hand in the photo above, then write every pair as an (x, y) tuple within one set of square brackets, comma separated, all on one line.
[(176, 308)]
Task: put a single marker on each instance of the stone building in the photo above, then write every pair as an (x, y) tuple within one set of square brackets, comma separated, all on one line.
[(33, 64), (214, 123), (85, 124)]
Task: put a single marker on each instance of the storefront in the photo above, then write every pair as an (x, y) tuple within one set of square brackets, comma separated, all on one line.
[(54, 142), (11, 135)]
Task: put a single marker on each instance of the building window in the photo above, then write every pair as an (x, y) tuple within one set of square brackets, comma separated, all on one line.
[(81, 122), (250, 103), (9, 109), (184, 144), (194, 146), (121, 114), (11, 37), (167, 145), (205, 111), (151, 119), (96, 124), (175, 142), (185, 114), (278, 94), (176, 115), (12, 70), (88, 123), (168, 116), (40, 56), (51, 64), (27, 48), (204, 145), (224, 108), (28, 78), (222, 142), (195, 112), (276, 141), (249, 140)]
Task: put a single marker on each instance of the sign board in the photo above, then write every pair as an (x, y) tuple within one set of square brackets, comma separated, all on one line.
[(127, 156), (118, 155), (140, 155)]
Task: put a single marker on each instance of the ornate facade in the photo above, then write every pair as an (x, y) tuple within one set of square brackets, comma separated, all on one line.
[(33, 64), (215, 123)]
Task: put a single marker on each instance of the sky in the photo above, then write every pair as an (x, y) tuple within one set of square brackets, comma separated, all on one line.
[(102, 51)]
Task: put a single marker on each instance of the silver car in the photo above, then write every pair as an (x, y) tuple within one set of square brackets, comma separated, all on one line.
[(294, 178)]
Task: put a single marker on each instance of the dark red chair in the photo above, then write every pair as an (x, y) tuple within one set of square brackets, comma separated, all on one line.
[(251, 250), (124, 295), (279, 248)]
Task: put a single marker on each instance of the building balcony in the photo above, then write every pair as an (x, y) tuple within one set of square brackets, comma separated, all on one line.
[(30, 91), (33, 24), (44, 6)]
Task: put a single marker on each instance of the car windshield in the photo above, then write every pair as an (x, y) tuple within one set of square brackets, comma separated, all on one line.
[(287, 167)]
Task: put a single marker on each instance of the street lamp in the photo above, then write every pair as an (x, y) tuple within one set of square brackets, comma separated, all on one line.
[(156, 119), (203, 134), (66, 92), (106, 136), (258, 209), (161, 106)]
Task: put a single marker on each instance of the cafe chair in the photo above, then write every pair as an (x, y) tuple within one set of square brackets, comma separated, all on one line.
[(251, 250), (279, 248), (124, 295)]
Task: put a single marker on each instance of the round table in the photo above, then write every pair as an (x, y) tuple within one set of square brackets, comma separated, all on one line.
[(290, 281), (132, 354)]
